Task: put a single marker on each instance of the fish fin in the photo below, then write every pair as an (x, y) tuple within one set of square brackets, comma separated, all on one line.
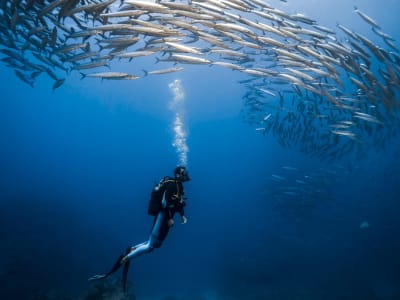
[(58, 83)]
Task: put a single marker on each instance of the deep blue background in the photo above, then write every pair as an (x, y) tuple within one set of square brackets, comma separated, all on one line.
[(77, 167)]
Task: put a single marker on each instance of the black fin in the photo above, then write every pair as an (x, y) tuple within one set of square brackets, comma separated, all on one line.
[(117, 265), (125, 275)]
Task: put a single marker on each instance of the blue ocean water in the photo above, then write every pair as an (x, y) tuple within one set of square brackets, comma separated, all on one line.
[(78, 165)]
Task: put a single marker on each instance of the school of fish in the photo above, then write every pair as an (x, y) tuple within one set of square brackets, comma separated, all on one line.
[(307, 187), (327, 91)]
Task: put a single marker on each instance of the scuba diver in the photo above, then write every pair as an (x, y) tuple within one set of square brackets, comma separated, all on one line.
[(166, 200)]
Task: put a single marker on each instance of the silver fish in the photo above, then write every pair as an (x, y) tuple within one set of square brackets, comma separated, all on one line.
[(366, 18)]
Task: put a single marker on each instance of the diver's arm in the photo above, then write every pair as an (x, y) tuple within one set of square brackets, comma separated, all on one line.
[(182, 205)]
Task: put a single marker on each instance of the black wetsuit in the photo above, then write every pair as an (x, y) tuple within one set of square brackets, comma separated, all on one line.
[(174, 203)]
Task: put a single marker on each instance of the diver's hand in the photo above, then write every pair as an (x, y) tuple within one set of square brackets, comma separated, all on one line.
[(183, 219), (170, 222)]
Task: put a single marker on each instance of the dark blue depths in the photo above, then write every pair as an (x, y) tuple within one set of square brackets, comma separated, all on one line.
[(77, 166)]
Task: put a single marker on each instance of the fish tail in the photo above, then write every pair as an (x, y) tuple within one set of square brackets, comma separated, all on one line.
[(83, 75), (58, 83)]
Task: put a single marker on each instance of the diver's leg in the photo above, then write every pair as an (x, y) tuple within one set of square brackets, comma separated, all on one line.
[(149, 245), (157, 226), (137, 250)]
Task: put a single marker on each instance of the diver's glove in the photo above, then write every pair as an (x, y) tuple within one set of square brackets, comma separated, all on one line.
[(170, 222), (183, 219)]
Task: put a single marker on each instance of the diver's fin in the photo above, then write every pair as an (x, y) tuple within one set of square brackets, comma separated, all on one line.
[(122, 260), (125, 275), (116, 266)]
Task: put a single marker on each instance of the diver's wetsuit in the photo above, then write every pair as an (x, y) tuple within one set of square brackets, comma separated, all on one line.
[(172, 202), (173, 199)]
